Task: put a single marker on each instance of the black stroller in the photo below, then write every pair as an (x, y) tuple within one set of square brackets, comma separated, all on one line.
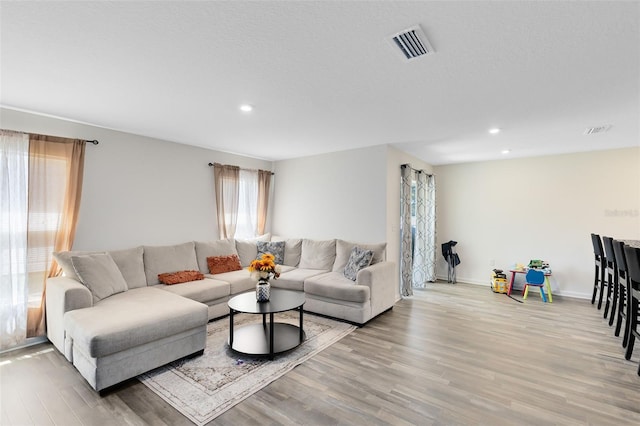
[(449, 253)]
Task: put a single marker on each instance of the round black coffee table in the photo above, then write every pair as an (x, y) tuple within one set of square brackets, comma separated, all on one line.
[(266, 338)]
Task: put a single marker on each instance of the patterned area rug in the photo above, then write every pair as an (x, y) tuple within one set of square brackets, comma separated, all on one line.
[(206, 386)]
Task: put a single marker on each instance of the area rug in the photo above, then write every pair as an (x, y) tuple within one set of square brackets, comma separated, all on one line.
[(206, 386)]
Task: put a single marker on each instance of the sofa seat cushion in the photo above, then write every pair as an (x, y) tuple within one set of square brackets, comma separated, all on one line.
[(239, 281), (133, 318), (294, 278), (335, 285), (204, 291)]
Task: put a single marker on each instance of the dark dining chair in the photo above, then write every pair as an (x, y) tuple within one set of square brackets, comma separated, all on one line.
[(632, 255), (611, 275), (599, 282), (623, 274)]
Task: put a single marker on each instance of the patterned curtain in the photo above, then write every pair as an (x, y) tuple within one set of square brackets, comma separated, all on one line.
[(430, 229), (420, 277), (418, 249), (406, 246)]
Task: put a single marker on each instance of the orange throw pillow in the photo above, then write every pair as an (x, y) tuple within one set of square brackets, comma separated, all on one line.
[(170, 278), (221, 264)]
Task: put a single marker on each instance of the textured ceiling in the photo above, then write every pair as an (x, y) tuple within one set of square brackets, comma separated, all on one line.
[(323, 76)]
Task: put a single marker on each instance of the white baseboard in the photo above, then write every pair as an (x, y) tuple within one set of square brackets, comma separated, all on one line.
[(572, 294)]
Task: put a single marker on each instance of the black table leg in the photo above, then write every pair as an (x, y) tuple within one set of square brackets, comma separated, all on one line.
[(231, 328), (271, 335), (301, 329)]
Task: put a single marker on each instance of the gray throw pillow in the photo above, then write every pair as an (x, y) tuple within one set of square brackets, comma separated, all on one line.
[(358, 260), (276, 248), (100, 274)]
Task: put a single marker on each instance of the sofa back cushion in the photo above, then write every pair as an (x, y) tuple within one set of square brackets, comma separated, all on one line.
[(248, 249), (318, 254), (131, 265), (63, 258), (213, 249), (292, 250), (161, 259), (100, 274), (129, 261), (344, 248)]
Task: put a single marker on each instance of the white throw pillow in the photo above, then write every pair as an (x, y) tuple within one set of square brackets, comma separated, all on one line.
[(318, 254), (100, 274)]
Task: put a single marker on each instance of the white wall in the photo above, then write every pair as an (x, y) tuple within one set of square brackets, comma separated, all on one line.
[(138, 190), (538, 208), (352, 195), (337, 195)]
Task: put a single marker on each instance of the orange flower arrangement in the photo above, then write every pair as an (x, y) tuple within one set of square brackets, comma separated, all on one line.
[(265, 267)]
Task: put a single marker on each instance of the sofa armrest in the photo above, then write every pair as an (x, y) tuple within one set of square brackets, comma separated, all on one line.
[(63, 294), (381, 279)]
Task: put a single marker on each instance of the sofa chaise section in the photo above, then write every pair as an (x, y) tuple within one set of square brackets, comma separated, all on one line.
[(133, 332)]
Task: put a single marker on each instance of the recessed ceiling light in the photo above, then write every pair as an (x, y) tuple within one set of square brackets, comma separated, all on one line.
[(505, 151), (246, 108), (494, 131)]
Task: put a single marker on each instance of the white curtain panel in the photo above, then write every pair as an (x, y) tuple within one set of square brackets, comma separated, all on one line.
[(406, 249), (247, 225), (14, 193)]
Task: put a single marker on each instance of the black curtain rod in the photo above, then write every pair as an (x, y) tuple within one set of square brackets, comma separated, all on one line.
[(211, 165), (415, 170), (94, 141)]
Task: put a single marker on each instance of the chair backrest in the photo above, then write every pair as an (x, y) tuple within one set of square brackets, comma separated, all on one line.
[(632, 256), (608, 250), (597, 245), (534, 277), (621, 260)]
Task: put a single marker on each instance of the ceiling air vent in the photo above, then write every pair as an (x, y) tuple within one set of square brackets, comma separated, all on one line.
[(412, 43), (599, 129)]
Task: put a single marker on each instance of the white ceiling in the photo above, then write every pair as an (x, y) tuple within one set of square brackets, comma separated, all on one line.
[(323, 76)]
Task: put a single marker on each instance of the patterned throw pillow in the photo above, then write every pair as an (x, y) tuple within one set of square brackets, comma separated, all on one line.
[(276, 248), (358, 260), (222, 264), (170, 278)]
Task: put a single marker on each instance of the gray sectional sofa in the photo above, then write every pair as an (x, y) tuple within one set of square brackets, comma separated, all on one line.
[(112, 318)]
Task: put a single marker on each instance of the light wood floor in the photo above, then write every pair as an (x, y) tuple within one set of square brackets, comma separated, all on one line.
[(452, 354)]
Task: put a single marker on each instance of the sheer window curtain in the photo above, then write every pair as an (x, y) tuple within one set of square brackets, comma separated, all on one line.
[(226, 184), (56, 168), (247, 222), (242, 201), (14, 192)]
